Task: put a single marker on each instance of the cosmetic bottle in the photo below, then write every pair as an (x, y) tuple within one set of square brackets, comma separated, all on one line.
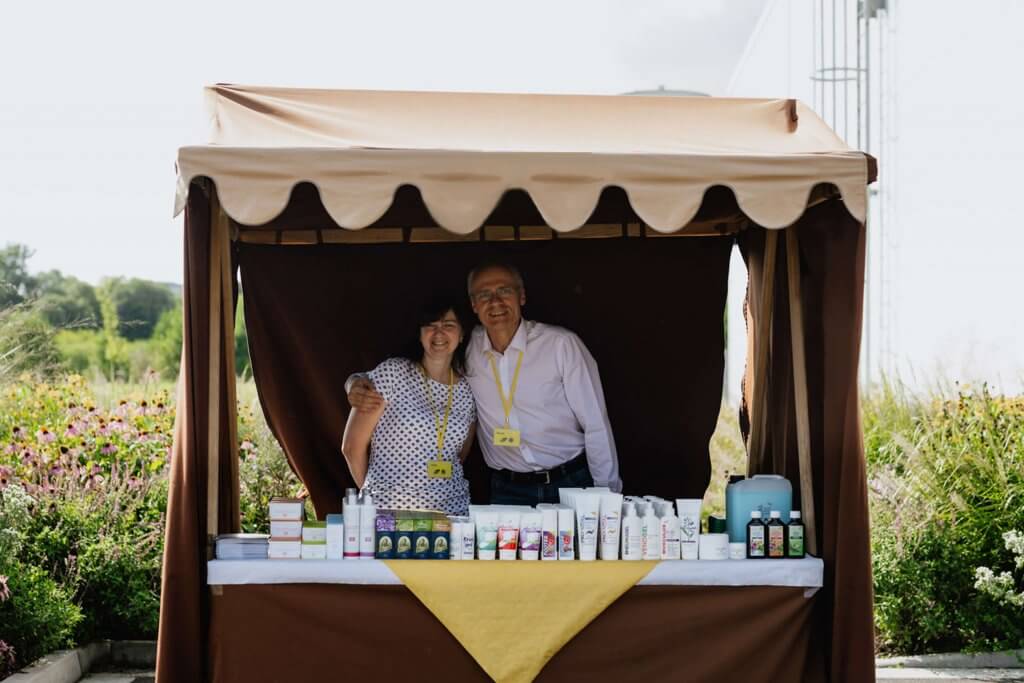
[(755, 537)]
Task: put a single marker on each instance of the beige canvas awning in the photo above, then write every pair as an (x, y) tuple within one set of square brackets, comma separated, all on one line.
[(464, 151)]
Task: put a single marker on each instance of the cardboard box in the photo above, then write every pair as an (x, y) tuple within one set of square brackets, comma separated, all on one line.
[(285, 530), (314, 532), (284, 550), (314, 551), (286, 509)]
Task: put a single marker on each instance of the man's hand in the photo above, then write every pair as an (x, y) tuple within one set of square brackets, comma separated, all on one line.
[(363, 397)]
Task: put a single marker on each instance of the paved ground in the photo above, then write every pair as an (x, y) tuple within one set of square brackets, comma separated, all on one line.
[(910, 675), (889, 674), (130, 676)]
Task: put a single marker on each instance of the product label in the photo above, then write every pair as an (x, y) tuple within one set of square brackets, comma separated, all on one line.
[(488, 539), (565, 544), (776, 541), (756, 541), (422, 545), (403, 544), (549, 544), (530, 539), (384, 545), (796, 541), (508, 538), (441, 545)]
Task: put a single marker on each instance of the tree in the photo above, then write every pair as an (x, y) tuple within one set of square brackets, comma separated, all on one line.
[(138, 303), (16, 285), (67, 302)]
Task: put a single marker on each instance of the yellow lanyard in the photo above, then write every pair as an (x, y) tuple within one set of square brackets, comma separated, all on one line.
[(506, 401), (442, 427)]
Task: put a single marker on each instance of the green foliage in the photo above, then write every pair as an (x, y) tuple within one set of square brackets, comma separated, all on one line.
[(167, 341), (26, 344), (39, 616), (137, 305), (945, 487), (16, 285), (66, 302), (81, 350)]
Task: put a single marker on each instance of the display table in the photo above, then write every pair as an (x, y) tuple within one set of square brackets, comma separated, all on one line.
[(686, 620)]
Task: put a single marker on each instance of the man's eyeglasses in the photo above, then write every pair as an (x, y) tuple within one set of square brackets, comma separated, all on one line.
[(487, 295)]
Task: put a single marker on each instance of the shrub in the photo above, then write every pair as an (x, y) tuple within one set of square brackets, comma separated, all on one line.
[(26, 345), (39, 615), (947, 486)]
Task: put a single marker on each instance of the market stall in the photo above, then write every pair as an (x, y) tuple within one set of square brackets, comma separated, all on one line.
[(338, 208)]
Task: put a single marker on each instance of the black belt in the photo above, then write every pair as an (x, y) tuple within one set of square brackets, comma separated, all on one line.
[(544, 477)]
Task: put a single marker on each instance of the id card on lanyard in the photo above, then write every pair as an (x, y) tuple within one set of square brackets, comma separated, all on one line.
[(439, 468), (506, 436)]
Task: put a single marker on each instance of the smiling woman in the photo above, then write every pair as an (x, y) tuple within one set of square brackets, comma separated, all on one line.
[(407, 450)]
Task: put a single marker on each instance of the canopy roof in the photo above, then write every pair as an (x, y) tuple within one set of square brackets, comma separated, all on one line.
[(463, 151)]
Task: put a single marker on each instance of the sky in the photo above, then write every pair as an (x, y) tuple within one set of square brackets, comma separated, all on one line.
[(97, 97), (105, 93)]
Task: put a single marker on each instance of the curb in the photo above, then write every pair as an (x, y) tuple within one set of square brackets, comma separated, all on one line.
[(1008, 659), (63, 666), (68, 666)]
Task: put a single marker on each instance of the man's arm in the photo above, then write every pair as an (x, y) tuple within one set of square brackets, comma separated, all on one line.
[(361, 393), (582, 384)]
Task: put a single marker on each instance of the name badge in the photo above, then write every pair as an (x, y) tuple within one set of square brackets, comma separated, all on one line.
[(439, 469), (506, 437)]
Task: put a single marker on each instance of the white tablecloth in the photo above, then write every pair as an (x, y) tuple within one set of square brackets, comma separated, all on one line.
[(806, 573)]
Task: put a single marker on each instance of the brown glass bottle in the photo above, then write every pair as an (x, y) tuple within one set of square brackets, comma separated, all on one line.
[(756, 537), (775, 536)]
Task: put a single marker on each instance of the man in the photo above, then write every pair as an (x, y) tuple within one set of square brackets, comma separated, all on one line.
[(543, 424)]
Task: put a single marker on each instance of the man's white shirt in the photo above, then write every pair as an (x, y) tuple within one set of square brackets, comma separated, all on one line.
[(558, 406)]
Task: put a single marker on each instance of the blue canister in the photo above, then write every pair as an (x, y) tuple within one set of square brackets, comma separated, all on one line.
[(764, 492)]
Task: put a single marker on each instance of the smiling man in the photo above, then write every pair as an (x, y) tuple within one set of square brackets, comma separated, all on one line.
[(543, 424), (542, 417)]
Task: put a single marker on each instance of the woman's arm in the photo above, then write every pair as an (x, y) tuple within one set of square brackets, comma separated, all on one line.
[(355, 444), (468, 444)]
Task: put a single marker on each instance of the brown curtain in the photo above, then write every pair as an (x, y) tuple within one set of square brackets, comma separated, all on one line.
[(182, 648), (832, 249), (650, 310)]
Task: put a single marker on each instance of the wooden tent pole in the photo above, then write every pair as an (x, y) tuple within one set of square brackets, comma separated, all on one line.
[(803, 420), (228, 308), (214, 319), (762, 345)]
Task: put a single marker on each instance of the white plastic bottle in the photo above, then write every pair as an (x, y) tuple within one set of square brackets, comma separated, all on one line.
[(650, 535), (350, 510), (631, 533), (367, 528), (669, 535)]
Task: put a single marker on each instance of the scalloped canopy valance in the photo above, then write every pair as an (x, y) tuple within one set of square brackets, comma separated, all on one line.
[(463, 151)]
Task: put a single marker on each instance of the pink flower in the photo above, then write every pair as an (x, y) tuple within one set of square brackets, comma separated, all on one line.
[(108, 448), (72, 430), (45, 436), (16, 432)]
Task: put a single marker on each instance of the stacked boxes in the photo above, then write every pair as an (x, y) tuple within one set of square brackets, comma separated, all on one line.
[(286, 517)]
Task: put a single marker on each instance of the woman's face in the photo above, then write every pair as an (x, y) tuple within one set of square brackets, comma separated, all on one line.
[(441, 337)]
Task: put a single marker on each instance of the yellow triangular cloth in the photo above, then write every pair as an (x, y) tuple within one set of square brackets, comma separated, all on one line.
[(512, 617)]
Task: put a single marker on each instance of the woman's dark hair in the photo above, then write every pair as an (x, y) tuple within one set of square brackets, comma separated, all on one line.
[(432, 310)]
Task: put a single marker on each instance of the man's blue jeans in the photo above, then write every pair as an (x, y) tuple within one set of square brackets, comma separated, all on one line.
[(505, 492)]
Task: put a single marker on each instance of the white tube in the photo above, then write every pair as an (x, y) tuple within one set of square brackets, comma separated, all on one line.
[(350, 511), (486, 534), (689, 526), (670, 535), (650, 535), (367, 528), (508, 534), (631, 531), (529, 536), (566, 533), (588, 510), (611, 524), (549, 533)]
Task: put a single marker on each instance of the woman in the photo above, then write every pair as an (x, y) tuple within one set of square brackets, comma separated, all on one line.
[(408, 452)]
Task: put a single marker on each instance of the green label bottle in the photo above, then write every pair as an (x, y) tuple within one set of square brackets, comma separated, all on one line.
[(795, 536)]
